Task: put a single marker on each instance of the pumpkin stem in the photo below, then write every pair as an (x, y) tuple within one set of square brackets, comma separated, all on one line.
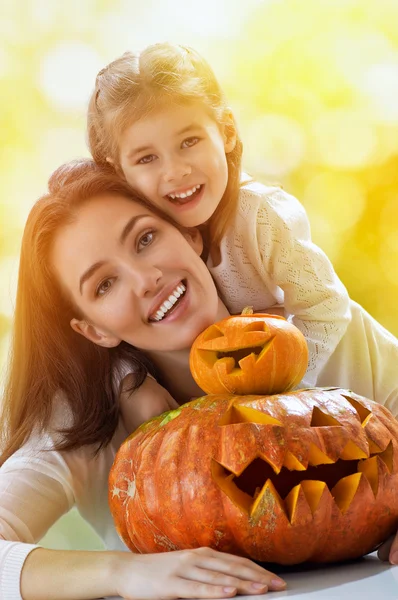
[(248, 310)]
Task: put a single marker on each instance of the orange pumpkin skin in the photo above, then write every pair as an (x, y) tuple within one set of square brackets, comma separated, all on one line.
[(249, 354), (175, 482)]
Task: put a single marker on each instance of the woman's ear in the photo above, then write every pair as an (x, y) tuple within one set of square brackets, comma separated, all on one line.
[(195, 240), (93, 334), (230, 133)]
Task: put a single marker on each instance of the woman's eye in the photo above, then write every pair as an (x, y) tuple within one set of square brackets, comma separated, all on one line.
[(146, 239), (189, 142), (103, 287), (146, 159)]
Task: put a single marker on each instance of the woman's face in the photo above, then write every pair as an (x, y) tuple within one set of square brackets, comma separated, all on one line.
[(134, 277)]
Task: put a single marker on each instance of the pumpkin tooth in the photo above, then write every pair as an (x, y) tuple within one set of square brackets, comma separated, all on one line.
[(373, 447), (228, 486), (387, 457), (345, 490), (268, 503), (292, 463), (352, 452), (317, 457), (370, 469), (313, 491), (297, 507)]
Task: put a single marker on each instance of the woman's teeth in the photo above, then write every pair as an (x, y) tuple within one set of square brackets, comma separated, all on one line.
[(185, 194), (169, 303)]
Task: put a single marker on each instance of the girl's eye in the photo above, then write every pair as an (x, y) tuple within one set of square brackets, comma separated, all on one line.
[(145, 240), (146, 159), (103, 287), (189, 142)]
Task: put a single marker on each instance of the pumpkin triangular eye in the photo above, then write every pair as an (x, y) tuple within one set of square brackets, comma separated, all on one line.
[(363, 413), (321, 419), (212, 333), (255, 326), (246, 414)]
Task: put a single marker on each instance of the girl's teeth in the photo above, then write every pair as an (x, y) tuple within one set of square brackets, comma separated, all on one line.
[(171, 300), (185, 194)]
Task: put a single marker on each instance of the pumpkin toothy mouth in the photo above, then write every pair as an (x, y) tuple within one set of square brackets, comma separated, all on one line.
[(341, 477)]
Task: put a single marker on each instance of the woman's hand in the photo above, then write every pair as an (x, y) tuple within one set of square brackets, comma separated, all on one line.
[(144, 403), (200, 573), (389, 550)]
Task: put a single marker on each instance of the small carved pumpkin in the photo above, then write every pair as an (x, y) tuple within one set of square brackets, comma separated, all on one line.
[(310, 475), (249, 354)]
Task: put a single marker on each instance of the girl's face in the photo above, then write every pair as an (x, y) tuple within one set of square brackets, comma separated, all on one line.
[(176, 157), (134, 277)]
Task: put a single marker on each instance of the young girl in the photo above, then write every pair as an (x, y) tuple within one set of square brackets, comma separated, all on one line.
[(96, 266), (161, 120)]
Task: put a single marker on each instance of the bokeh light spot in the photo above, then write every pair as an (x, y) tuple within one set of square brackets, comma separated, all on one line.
[(380, 83), (339, 198), (344, 139), (274, 144), (67, 75)]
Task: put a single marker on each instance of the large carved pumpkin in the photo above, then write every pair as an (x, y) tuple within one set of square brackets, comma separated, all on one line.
[(310, 475), (249, 354)]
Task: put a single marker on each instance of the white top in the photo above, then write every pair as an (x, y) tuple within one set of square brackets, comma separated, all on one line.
[(267, 258), (38, 485)]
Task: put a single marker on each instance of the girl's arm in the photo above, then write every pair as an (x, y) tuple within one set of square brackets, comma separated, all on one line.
[(144, 403), (314, 296)]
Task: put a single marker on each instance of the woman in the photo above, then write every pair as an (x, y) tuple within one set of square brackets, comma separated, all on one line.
[(100, 275)]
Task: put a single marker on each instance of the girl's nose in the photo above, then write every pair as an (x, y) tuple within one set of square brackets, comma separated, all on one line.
[(175, 170)]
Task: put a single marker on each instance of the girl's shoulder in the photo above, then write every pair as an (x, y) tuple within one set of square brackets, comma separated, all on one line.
[(256, 199)]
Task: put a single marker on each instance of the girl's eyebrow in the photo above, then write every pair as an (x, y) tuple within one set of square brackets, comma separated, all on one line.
[(88, 273), (135, 151), (190, 127)]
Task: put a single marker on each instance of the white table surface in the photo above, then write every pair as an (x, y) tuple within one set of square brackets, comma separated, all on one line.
[(365, 579)]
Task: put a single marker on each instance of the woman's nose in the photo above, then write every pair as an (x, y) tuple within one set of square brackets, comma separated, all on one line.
[(145, 280)]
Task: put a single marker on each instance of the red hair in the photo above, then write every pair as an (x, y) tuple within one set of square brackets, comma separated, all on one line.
[(47, 356)]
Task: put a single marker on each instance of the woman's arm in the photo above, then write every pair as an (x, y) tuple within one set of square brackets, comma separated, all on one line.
[(36, 488), (144, 403), (201, 573), (314, 296)]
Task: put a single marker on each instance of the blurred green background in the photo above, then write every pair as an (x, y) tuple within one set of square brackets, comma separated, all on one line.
[(314, 86)]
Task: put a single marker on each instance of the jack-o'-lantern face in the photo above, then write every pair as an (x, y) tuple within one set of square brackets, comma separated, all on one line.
[(249, 354), (310, 475)]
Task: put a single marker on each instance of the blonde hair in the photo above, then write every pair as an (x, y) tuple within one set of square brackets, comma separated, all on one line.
[(131, 87)]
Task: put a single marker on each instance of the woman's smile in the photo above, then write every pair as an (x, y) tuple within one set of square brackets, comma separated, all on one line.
[(171, 302)]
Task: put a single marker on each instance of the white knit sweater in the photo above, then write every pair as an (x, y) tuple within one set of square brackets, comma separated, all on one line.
[(267, 258)]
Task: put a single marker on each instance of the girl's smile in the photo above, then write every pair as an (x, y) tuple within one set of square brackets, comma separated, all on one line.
[(134, 277)]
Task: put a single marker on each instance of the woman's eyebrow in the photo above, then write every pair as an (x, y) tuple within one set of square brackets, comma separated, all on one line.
[(129, 226), (131, 223)]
